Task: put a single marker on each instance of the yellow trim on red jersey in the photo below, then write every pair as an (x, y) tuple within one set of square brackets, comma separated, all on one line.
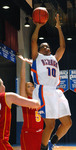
[(27, 118), (6, 102), (4, 122), (10, 145), (23, 140), (3, 145)]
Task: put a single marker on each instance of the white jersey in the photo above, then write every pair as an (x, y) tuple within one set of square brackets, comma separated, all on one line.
[(45, 70)]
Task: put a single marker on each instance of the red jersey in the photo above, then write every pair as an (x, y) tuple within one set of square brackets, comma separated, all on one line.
[(32, 119), (5, 118)]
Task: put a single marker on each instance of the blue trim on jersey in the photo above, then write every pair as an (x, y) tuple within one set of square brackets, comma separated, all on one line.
[(34, 65), (42, 110), (34, 74), (34, 77), (40, 94)]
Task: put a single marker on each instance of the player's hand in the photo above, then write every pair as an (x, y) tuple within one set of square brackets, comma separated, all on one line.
[(22, 58), (39, 25), (29, 61), (35, 104), (57, 21)]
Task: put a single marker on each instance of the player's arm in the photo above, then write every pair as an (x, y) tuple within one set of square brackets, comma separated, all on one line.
[(13, 98), (23, 75), (29, 61), (60, 51), (23, 79), (34, 46)]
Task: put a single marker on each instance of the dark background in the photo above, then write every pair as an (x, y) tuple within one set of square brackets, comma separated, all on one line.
[(50, 33), (8, 75)]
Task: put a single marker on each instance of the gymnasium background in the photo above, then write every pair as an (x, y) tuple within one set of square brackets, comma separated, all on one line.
[(17, 38)]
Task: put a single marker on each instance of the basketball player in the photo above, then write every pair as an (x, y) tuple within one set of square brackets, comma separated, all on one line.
[(6, 100), (31, 133), (45, 72)]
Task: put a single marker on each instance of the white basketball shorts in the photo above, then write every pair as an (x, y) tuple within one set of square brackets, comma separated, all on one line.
[(53, 102)]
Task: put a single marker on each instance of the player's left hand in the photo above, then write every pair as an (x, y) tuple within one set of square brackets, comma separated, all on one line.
[(22, 58), (57, 21), (29, 61)]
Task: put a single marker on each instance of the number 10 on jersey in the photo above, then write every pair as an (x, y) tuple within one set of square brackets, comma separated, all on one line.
[(51, 71)]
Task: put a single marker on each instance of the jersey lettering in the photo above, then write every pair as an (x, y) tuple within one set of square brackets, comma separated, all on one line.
[(37, 116), (51, 72)]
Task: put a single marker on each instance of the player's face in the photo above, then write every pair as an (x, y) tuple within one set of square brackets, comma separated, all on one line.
[(29, 88), (45, 49), (2, 87)]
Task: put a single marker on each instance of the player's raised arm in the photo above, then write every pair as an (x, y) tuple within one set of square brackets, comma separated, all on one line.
[(60, 51), (23, 77), (12, 98), (29, 61), (34, 46)]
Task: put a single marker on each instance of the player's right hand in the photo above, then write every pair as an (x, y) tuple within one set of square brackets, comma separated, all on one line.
[(35, 104), (39, 25)]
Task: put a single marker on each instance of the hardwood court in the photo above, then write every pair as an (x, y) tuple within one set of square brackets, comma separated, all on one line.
[(64, 148), (55, 148), (17, 148)]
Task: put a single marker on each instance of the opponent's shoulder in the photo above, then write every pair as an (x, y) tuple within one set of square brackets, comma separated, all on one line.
[(2, 94)]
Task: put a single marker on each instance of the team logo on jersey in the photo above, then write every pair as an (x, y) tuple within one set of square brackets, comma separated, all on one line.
[(26, 131), (41, 112), (39, 130)]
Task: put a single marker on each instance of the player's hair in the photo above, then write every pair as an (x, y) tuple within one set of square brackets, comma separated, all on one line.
[(41, 45), (27, 84)]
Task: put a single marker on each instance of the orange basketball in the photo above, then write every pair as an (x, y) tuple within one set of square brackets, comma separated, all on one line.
[(40, 15)]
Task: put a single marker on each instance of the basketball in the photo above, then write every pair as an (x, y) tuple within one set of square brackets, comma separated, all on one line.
[(40, 15)]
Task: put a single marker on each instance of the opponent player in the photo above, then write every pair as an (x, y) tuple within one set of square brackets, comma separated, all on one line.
[(6, 100), (31, 133), (45, 72)]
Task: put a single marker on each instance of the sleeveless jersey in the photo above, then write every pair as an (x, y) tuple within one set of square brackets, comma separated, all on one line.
[(5, 118), (45, 70), (32, 119)]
